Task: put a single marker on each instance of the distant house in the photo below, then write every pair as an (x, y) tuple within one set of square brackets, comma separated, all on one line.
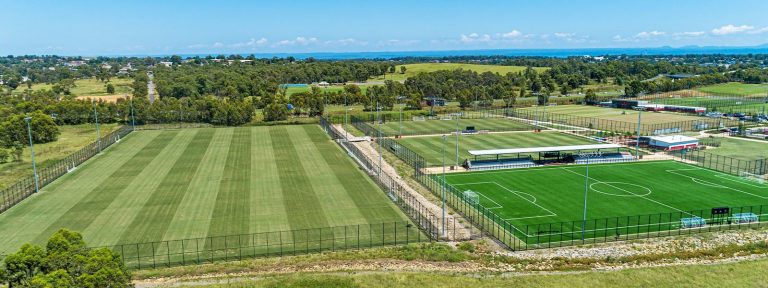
[(106, 66), (323, 84), (166, 63), (75, 63), (680, 76)]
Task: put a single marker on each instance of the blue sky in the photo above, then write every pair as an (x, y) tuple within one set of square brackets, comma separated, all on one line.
[(141, 27)]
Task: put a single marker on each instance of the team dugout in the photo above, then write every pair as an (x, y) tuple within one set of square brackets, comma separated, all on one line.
[(536, 156)]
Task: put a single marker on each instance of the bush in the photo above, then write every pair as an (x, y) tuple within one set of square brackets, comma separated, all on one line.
[(65, 262)]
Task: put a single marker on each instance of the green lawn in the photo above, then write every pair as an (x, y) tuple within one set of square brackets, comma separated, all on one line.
[(735, 88), (740, 149), (625, 115), (546, 204), (430, 147), (89, 87), (433, 127), (413, 69), (176, 184), (71, 139), (330, 89)]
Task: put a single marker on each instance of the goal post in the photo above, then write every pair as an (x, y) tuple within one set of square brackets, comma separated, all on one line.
[(752, 177), (472, 197)]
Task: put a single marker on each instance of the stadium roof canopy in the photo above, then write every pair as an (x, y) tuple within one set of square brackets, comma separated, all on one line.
[(543, 149)]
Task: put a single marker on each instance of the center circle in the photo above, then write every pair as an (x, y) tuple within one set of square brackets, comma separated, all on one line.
[(624, 189)]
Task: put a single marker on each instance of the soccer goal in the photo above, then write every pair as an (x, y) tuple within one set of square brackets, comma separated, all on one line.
[(419, 118), (693, 222), (472, 197), (752, 177)]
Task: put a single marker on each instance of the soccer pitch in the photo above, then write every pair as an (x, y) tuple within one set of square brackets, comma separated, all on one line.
[(622, 115), (194, 183), (546, 204), (431, 147), (432, 127)]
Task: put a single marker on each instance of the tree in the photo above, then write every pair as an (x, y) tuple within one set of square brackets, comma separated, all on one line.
[(402, 69), (276, 111), (64, 262), (590, 97), (110, 88), (543, 97)]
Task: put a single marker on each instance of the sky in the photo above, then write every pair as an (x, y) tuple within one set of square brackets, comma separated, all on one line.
[(144, 27)]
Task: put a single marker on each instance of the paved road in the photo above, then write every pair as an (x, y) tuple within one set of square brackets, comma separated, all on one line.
[(151, 87)]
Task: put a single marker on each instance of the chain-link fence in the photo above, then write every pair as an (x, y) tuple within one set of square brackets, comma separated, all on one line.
[(725, 164), (26, 186), (756, 104)]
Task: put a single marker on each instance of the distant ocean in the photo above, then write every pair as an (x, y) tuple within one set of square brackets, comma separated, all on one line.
[(559, 53)]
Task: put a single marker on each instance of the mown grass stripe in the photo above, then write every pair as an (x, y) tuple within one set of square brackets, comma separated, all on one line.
[(85, 212), (368, 200), (154, 218), (126, 206), (268, 212), (231, 215), (300, 200), (193, 217)]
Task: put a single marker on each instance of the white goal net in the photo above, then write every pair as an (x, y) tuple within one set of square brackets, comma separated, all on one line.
[(472, 197), (752, 177)]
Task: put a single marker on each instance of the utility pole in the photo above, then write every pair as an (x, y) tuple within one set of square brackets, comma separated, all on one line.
[(133, 118), (458, 116), (32, 150)]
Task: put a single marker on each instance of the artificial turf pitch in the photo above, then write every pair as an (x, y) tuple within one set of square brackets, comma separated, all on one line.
[(546, 204), (177, 184), (433, 127), (431, 147)]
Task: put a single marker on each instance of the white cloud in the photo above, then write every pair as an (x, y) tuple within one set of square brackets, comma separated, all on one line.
[(731, 29), (691, 34), (511, 34), (345, 42), (302, 41), (646, 35), (564, 35), (252, 43), (474, 37), (759, 31), (218, 45)]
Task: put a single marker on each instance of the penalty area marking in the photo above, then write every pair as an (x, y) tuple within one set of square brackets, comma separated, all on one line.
[(518, 194), (707, 183)]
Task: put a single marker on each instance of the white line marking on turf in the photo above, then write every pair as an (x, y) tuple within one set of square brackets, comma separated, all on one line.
[(517, 193), (707, 183), (728, 177), (643, 197)]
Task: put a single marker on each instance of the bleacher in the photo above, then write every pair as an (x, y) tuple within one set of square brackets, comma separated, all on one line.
[(492, 164), (605, 158)]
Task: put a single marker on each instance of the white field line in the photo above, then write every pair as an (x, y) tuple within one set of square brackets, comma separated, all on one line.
[(707, 183), (643, 197), (481, 194), (729, 178)]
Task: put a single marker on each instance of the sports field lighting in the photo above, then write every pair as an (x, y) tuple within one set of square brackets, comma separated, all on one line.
[(346, 113), (133, 118), (637, 141), (96, 118), (445, 139), (586, 155), (458, 116), (379, 120), (32, 150)]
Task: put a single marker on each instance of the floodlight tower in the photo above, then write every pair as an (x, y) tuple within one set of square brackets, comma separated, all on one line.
[(96, 118), (32, 150), (458, 116), (445, 139), (133, 118), (637, 141)]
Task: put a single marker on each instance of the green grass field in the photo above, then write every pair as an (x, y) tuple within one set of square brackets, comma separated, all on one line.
[(413, 69), (433, 127), (623, 115), (71, 139), (90, 87), (734, 88), (176, 184), (741, 149), (721, 104), (616, 193), (430, 147)]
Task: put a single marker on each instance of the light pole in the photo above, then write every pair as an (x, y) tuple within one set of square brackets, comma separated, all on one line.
[(133, 118), (458, 116), (32, 150), (637, 141), (445, 139), (401, 119), (96, 117), (380, 144), (346, 126), (586, 189)]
